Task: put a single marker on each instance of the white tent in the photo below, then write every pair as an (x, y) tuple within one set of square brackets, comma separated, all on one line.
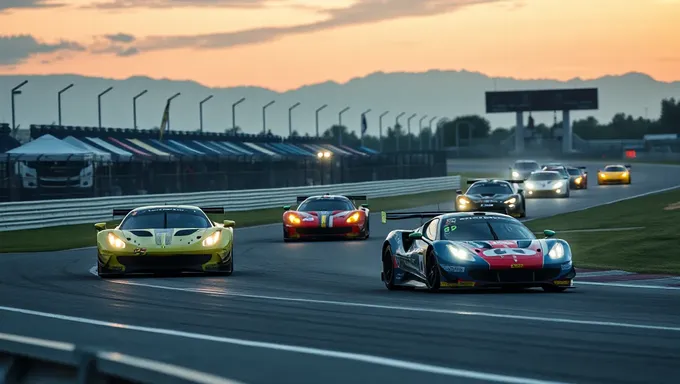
[(49, 148), (105, 156)]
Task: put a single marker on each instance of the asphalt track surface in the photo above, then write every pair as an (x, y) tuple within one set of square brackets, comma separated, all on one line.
[(318, 313)]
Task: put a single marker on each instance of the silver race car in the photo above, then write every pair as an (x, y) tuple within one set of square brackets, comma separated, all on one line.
[(546, 184)]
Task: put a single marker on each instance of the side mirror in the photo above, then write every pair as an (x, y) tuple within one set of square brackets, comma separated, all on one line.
[(415, 236), (100, 227), (365, 205), (459, 192), (548, 233), (520, 191), (286, 207), (229, 223)]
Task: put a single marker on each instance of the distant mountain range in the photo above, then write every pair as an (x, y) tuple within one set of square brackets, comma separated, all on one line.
[(435, 93)]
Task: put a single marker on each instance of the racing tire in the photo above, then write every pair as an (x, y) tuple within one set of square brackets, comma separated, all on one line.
[(286, 239), (106, 275), (229, 267), (524, 209), (387, 274), (553, 289), (432, 273), (630, 178)]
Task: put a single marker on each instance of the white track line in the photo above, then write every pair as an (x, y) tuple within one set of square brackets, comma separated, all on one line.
[(624, 285), (369, 359), (403, 308)]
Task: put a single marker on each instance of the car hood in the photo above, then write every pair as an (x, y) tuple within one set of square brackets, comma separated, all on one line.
[(167, 237), (508, 253), (489, 197)]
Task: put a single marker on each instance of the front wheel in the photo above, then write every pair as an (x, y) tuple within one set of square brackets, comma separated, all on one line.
[(228, 268), (433, 274), (388, 270)]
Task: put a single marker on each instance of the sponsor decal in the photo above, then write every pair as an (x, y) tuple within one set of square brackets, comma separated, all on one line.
[(308, 219), (454, 268), (139, 251), (324, 218), (502, 242), (450, 228), (501, 252), (517, 266), (562, 282), (450, 221), (446, 284)]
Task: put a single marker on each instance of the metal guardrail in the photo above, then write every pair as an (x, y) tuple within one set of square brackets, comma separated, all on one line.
[(31, 360), (50, 213)]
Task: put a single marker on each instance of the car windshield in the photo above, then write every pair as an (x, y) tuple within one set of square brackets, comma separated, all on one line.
[(560, 170), (165, 218), (490, 189), (525, 166), (479, 228), (318, 205), (542, 176), (574, 171), (615, 168)]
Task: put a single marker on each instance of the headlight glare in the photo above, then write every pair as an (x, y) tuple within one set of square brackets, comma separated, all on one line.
[(579, 180), (461, 254), (116, 242), (529, 185), (557, 251), (511, 200), (353, 217), (558, 184), (515, 174), (212, 239), (293, 219), (463, 201)]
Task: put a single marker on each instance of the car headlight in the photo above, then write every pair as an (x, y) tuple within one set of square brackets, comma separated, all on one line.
[(558, 184), (578, 180), (511, 200), (293, 219), (463, 201), (115, 241), (354, 217), (602, 176), (212, 239), (515, 174), (461, 254), (529, 185), (557, 251), (624, 174)]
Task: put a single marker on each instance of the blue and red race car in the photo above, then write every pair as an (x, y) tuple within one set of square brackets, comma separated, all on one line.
[(473, 249), (326, 216)]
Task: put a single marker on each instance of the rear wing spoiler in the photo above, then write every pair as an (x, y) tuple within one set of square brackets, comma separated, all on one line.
[(207, 210), (627, 166), (472, 181), (385, 216), (300, 199)]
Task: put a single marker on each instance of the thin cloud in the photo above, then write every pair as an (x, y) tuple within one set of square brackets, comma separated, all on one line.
[(6, 5), (120, 38), (16, 49), (363, 12), (125, 4)]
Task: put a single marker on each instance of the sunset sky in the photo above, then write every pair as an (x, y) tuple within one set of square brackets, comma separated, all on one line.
[(284, 44)]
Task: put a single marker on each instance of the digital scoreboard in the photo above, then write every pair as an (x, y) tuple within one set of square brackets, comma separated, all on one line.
[(542, 100)]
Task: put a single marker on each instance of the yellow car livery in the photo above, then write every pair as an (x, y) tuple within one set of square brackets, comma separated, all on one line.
[(166, 238), (614, 174)]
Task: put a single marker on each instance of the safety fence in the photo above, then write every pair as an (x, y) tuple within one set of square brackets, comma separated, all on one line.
[(50, 213), (32, 360)]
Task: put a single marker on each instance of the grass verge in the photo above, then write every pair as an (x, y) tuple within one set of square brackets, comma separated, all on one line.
[(653, 249), (83, 235)]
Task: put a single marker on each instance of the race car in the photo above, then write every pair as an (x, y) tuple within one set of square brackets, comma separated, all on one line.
[(614, 174), (165, 238), (521, 169), (326, 216), (578, 177), (492, 195), (547, 184), (473, 249)]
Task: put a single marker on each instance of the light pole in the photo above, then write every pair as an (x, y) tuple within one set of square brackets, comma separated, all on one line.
[(200, 110), (396, 133), (59, 100), (264, 116), (408, 123), (233, 113), (363, 116), (99, 104), (321, 108), (429, 142), (290, 119), (176, 95), (380, 128), (420, 132), (340, 124), (16, 91), (134, 107)]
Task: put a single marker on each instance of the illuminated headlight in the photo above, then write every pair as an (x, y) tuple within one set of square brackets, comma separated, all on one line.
[(115, 241), (557, 251), (602, 176), (515, 174), (624, 174), (293, 219), (511, 200), (461, 254), (212, 239), (463, 201), (578, 180), (529, 185), (559, 184), (354, 217)]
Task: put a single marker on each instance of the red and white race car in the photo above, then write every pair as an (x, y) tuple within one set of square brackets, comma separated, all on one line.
[(326, 216)]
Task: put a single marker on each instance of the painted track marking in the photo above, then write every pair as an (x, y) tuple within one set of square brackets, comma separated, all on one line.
[(402, 308), (369, 359)]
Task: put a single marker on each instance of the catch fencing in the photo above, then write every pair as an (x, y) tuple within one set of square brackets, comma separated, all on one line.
[(50, 213), (32, 360)]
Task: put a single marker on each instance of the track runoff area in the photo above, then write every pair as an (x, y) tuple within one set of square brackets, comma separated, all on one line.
[(318, 312)]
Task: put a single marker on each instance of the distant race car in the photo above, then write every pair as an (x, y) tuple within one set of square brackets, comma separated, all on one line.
[(578, 177), (326, 216), (521, 169), (473, 249), (491, 195), (165, 238), (561, 169), (614, 174), (546, 184)]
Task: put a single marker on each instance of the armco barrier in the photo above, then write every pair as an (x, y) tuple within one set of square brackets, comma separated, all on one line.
[(50, 213), (31, 360)]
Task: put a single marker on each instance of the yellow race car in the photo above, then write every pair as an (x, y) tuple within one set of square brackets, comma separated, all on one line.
[(614, 174), (165, 238)]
